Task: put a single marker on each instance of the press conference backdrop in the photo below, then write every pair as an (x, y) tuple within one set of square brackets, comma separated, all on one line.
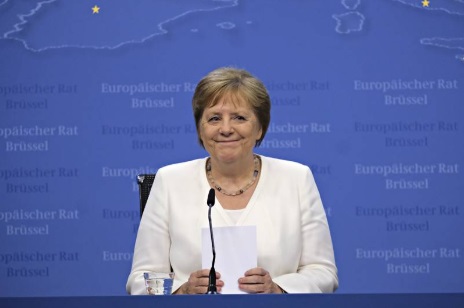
[(370, 94)]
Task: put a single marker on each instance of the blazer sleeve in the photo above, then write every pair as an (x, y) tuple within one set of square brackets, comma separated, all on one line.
[(151, 252), (316, 272)]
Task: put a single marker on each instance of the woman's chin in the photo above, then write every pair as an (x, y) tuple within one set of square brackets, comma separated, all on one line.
[(227, 156)]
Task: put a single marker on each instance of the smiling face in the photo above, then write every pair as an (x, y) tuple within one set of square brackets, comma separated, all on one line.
[(236, 85), (229, 130)]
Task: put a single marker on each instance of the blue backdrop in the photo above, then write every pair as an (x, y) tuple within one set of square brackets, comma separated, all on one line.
[(370, 94)]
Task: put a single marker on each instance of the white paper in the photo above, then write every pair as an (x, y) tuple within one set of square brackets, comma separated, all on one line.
[(236, 252)]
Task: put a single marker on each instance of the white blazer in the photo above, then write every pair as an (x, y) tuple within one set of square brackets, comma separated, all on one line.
[(293, 237)]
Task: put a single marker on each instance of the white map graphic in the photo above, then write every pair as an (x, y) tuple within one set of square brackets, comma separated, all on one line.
[(451, 7), (41, 25), (119, 22), (353, 21)]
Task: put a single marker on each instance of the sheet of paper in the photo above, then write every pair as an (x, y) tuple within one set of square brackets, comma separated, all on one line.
[(236, 252)]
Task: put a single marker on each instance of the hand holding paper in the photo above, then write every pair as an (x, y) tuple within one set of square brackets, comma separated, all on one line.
[(236, 253), (198, 283), (258, 280)]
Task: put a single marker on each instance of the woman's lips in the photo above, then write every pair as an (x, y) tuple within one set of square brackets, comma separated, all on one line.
[(226, 141)]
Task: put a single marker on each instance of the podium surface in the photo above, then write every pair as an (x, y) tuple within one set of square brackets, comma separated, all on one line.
[(243, 301)]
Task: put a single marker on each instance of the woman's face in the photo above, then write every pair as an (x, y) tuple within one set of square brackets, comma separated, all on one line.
[(229, 130)]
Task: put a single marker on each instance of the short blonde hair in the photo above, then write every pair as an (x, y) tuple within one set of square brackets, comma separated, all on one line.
[(238, 83)]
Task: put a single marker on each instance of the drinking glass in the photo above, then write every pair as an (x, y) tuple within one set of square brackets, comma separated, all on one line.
[(158, 283)]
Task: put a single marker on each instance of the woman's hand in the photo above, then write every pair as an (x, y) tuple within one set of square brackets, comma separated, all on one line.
[(198, 283), (258, 280)]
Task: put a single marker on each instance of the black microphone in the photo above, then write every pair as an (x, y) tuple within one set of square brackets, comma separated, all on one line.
[(212, 272)]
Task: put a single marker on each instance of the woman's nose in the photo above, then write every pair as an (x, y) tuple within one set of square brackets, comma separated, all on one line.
[(226, 127)]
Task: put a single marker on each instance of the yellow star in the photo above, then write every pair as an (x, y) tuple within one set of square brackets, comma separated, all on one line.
[(95, 10), (425, 3)]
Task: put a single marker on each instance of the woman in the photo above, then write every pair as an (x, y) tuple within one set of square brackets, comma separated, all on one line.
[(295, 254)]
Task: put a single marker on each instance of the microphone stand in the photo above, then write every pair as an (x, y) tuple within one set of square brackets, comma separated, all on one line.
[(212, 272)]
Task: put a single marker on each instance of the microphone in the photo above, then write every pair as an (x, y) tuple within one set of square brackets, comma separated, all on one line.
[(212, 272)]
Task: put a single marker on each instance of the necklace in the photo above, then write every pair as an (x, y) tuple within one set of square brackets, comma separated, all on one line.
[(240, 191)]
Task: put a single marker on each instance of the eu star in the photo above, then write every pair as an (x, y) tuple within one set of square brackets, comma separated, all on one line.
[(425, 3), (95, 10)]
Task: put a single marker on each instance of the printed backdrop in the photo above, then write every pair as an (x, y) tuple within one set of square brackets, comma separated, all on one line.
[(370, 94)]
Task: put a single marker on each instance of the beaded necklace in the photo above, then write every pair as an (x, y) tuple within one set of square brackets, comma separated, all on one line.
[(240, 191)]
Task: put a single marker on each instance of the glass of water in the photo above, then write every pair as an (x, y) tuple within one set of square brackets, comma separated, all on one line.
[(158, 283)]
